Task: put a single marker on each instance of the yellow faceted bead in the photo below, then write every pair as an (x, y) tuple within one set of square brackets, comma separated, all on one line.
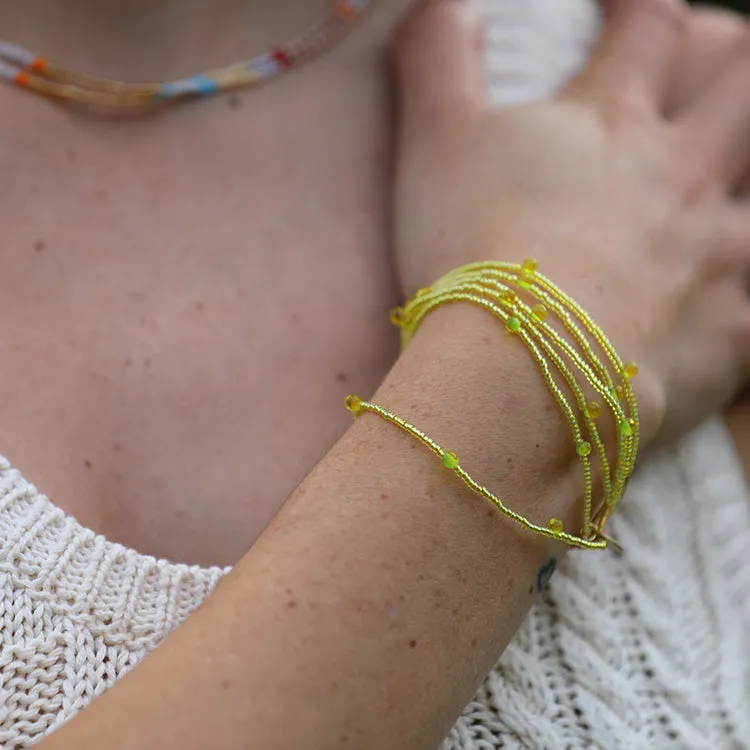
[(513, 325), (540, 312), (593, 409), (556, 525), (530, 265), (397, 316), (450, 460), (631, 369), (619, 392), (354, 404), (509, 297), (583, 448)]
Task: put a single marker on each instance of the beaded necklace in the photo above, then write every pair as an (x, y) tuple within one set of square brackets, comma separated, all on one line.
[(23, 68)]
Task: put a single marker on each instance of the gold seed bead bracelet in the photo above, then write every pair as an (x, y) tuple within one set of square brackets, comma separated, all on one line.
[(525, 301)]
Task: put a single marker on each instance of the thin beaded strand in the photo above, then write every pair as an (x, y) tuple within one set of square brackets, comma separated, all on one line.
[(451, 461), (24, 69), (488, 285)]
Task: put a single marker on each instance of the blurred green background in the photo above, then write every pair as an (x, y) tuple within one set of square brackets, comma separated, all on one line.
[(741, 5)]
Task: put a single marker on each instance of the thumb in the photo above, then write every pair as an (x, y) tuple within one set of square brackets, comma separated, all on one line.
[(439, 60)]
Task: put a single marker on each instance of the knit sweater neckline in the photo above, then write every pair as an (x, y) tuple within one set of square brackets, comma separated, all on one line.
[(76, 572)]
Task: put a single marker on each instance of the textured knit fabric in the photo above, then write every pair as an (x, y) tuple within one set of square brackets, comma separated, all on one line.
[(647, 651)]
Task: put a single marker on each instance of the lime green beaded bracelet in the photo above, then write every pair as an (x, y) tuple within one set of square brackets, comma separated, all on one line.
[(524, 300)]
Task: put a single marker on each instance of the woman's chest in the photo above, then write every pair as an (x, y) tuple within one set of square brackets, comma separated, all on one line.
[(184, 312)]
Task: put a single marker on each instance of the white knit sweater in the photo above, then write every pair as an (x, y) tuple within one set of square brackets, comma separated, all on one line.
[(648, 651)]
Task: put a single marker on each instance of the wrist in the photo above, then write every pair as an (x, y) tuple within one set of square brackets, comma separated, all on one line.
[(476, 391), (572, 352), (580, 375)]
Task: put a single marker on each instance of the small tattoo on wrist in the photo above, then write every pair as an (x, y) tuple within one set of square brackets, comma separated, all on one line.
[(545, 574)]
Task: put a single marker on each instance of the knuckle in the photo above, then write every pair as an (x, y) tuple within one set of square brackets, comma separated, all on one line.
[(721, 25), (696, 171), (624, 107)]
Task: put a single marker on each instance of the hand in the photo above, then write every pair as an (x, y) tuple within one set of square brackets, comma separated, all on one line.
[(628, 202)]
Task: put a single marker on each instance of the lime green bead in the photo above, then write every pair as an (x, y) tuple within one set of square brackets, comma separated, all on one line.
[(555, 525), (513, 325), (524, 283), (583, 448), (626, 428), (450, 460)]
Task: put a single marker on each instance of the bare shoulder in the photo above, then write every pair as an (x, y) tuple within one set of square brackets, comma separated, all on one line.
[(738, 421)]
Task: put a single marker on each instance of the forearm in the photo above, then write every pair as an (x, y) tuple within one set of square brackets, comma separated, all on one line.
[(368, 612)]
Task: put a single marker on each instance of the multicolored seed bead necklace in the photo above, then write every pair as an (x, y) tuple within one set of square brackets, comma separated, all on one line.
[(528, 304), (23, 68)]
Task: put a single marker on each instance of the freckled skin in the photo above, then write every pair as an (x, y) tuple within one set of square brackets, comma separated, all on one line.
[(223, 346)]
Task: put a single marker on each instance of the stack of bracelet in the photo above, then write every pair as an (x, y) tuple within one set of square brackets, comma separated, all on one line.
[(524, 300)]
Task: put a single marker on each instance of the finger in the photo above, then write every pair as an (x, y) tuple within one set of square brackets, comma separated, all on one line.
[(711, 39), (636, 53), (716, 128), (440, 64)]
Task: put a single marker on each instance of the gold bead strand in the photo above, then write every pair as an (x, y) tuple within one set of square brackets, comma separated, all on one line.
[(450, 460)]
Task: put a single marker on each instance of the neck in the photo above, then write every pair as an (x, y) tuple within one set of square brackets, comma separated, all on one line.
[(165, 39)]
